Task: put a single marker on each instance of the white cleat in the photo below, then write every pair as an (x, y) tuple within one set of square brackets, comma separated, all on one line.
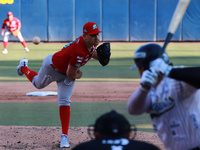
[(23, 63), (5, 51), (64, 142), (26, 49)]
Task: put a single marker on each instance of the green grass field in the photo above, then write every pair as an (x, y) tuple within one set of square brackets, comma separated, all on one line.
[(117, 70), (46, 114)]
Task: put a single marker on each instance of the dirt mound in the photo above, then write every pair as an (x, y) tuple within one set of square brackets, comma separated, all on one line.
[(48, 138)]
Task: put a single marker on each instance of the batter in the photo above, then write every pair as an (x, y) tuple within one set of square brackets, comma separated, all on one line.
[(174, 105)]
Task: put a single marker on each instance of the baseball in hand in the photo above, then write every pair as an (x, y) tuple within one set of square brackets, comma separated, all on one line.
[(36, 40), (79, 74)]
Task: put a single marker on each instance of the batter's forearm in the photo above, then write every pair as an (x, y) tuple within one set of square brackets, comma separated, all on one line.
[(190, 75), (138, 103)]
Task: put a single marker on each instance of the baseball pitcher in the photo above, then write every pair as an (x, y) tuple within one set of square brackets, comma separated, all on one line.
[(13, 26), (174, 105), (63, 67)]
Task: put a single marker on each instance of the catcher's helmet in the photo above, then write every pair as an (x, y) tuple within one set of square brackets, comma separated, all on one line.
[(147, 53), (112, 125)]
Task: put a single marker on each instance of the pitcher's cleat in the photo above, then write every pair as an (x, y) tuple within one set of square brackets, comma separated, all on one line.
[(26, 49), (64, 142), (23, 63), (5, 51)]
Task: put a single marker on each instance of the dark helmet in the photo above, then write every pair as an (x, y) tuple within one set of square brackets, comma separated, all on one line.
[(112, 125), (147, 53)]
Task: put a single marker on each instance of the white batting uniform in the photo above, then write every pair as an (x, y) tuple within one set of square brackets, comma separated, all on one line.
[(175, 112)]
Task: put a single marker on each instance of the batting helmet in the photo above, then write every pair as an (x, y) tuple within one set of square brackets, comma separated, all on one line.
[(112, 125), (147, 53)]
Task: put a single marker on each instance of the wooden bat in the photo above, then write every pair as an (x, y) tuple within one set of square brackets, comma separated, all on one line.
[(176, 19)]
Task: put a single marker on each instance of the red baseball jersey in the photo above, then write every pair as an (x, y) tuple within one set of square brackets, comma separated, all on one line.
[(74, 54), (11, 25)]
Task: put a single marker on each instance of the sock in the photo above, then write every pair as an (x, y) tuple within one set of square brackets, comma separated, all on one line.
[(5, 45), (29, 73), (64, 118), (24, 44)]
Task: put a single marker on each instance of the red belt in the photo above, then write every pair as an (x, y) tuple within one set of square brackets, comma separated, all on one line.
[(54, 67)]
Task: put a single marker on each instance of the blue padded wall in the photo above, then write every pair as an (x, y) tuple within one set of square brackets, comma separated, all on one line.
[(34, 19), (115, 20), (89, 11), (120, 20), (191, 22), (142, 20), (165, 10), (15, 8), (60, 20)]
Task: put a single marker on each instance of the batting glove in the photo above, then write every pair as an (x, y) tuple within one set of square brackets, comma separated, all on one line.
[(148, 79), (160, 66)]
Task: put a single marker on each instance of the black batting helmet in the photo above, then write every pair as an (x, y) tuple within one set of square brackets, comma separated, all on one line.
[(147, 53), (112, 125)]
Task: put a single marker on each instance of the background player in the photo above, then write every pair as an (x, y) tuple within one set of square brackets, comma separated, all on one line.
[(13, 26), (63, 67), (112, 132), (174, 105)]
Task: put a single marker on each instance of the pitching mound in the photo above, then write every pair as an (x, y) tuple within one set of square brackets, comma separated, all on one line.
[(48, 138)]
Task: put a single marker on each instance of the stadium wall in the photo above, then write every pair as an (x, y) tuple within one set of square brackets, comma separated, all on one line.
[(120, 20)]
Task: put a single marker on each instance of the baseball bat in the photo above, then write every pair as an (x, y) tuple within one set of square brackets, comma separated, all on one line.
[(175, 21)]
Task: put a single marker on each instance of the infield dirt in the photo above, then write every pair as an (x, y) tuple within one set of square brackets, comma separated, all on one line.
[(48, 138)]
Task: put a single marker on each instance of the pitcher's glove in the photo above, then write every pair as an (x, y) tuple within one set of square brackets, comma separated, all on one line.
[(103, 52), (15, 33)]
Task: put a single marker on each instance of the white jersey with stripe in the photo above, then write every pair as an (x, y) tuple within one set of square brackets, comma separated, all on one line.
[(175, 112)]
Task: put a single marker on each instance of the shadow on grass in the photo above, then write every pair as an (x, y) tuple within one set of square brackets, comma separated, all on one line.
[(117, 67)]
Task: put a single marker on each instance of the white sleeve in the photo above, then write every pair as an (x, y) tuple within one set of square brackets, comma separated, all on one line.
[(138, 102)]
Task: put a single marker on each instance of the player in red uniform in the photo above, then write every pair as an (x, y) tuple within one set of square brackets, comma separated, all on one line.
[(64, 68), (13, 26)]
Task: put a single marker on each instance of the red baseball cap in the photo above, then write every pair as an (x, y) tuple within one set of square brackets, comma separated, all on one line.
[(10, 13), (91, 28)]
